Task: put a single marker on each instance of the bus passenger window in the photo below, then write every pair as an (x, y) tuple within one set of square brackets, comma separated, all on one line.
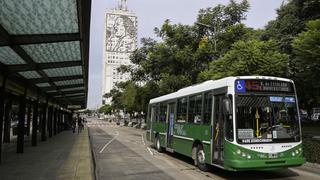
[(195, 107), (154, 113), (207, 109), (228, 124), (182, 110), (163, 112), (157, 113)]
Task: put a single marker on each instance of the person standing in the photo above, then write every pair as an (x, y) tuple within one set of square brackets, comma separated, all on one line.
[(79, 124)]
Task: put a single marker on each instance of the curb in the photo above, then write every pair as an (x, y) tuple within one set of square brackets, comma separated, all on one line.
[(95, 170), (312, 165)]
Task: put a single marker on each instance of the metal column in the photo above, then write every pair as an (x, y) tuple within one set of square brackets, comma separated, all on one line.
[(7, 121), (1, 118), (50, 114), (28, 118), (59, 121), (44, 122), (21, 128), (55, 121), (35, 123)]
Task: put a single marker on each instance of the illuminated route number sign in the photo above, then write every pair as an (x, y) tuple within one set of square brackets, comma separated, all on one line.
[(257, 85)]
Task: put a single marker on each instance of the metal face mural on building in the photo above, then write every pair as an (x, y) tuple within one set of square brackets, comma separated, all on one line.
[(121, 34)]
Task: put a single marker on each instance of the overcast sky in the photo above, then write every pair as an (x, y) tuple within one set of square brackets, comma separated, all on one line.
[(152, 13)]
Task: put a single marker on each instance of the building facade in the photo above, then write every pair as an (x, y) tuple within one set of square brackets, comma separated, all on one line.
[(120, 42)]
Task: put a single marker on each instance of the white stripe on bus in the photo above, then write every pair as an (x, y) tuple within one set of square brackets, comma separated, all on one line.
[(206, 142), (182, 137)]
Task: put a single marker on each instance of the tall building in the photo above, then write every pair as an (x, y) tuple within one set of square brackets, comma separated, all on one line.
[(120, 42)]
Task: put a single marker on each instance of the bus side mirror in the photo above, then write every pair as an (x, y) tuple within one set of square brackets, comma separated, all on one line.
[(227, 106)]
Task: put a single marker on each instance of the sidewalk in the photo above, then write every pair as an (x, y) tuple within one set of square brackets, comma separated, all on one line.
[(65, 156)]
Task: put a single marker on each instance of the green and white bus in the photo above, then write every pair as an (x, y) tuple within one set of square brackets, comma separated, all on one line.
[(235, 123)]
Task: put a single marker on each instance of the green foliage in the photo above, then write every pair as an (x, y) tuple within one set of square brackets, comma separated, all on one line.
[(222, 16), (311, 149), (233, 34), (186, 55), (290, 21), (105, 109), (223, 25), (306, 47), (253, 57), (128, 97)]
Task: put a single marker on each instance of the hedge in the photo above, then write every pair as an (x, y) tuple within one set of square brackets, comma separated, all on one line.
[(311, 149)]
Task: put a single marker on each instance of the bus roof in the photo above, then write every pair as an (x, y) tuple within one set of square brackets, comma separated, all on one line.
[(209, 85)]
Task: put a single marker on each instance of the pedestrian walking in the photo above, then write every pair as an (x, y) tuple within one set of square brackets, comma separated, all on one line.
[(74, 124), (80, 124)]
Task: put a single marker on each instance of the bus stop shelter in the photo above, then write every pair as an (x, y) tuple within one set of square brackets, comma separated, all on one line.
[(44, 54)]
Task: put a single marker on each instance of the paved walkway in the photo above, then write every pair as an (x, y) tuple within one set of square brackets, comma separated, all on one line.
[(66, 156)]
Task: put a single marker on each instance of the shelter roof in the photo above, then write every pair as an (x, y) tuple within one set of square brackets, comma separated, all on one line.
[(44, 44)]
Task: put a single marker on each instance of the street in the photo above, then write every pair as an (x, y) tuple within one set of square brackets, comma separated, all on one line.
[(124, 153)]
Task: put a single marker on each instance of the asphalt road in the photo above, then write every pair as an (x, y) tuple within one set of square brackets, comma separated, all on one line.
[(124, 153)]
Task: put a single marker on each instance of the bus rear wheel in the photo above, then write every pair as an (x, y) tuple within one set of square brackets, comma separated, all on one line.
[(200, 159), (158, 145)]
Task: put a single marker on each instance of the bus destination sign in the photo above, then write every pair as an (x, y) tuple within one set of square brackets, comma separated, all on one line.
[(257, 85)]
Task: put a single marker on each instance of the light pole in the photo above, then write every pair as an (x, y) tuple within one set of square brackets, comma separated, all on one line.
[(214, 31)]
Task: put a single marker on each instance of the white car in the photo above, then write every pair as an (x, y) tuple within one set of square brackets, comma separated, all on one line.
[(315, 116)]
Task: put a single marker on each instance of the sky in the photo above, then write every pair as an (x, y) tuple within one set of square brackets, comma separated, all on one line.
[(151, 14)]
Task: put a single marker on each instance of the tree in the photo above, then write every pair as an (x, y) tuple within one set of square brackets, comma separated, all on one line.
[(306, 48), (116, 94), (105, 109), (221, 24), (253, 57), (128, 97), (222, 16), (184, 52), (290, 21), (234, 33)]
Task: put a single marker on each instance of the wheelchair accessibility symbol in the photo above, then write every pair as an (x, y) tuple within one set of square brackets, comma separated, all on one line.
[(240, 86)]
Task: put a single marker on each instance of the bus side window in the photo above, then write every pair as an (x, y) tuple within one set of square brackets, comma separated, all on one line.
[(157, 112), (154, 113), (207, 109), (148, 120), (163, 112), (182, 110), (195, 107), (217, 117), (228, 123)]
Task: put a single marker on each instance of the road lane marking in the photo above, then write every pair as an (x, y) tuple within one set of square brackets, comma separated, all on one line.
[(105, 146), (145, 145), (150, 151), (303, 172), (143, 139)]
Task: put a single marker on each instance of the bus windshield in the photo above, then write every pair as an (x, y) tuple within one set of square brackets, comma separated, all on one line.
[(267, 119)]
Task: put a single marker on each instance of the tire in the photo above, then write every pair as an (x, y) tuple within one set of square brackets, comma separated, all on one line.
[(200, 159), (158, 145)]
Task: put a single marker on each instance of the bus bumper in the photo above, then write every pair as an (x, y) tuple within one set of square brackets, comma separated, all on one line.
[(254, 164)]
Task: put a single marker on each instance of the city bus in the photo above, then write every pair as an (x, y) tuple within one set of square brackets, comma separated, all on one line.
[(235, 123)]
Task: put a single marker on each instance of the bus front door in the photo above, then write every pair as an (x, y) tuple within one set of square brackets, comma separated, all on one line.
[(170, 125), (217, 131)]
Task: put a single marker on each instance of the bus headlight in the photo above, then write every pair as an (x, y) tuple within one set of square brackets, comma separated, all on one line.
[(293, 153), (243, 154), (238, 151), (297, 152), (300, 149), (248, 156)]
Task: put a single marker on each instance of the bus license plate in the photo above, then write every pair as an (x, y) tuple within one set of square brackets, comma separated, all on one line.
[(273, 155)]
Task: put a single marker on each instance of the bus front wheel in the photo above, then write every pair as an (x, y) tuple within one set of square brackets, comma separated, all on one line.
[(158, 145), (200, 159)]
